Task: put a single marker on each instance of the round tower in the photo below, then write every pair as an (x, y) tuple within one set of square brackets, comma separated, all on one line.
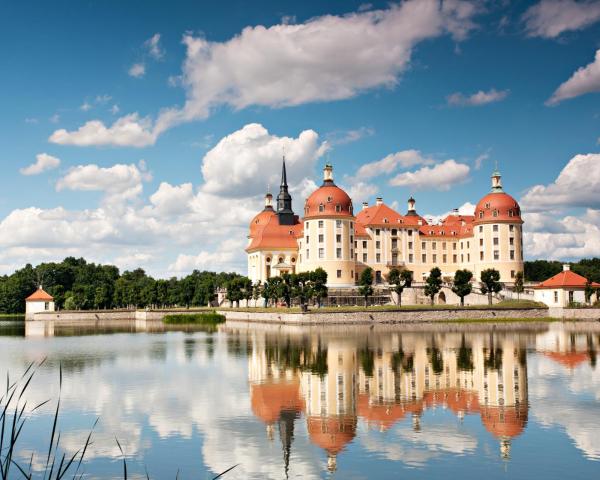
[(498, 233), (328, 240)]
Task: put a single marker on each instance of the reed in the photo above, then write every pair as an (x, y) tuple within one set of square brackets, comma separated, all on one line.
[(204, 318)]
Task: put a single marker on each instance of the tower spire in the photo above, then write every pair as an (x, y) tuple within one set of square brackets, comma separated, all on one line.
[(496, 180), (284, 200)]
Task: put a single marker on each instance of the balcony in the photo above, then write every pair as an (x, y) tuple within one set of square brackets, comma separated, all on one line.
[(395, 263)]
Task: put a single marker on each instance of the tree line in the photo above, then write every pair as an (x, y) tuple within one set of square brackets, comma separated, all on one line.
[(540, 270), (77, 284)]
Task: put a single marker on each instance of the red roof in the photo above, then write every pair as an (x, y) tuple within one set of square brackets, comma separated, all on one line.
[(39, 296), (498, 207), (569, 360), (328, 200), (273, 235), (384, 216), (566, 279), (447, 230)]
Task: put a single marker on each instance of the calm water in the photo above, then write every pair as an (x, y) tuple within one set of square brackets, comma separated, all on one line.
[(345, 403)]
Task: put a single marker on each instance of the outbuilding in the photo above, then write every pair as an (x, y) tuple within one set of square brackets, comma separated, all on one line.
[(38, 301), (563, 289)]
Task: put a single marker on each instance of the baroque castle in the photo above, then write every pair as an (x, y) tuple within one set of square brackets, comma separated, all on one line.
[(331, 235)]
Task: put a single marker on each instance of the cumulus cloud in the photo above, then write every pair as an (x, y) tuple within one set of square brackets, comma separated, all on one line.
[(391, 163), (43, 163), (466, 208), (137, 70), (206, 260), (119, 182), (476, 99), (439, 177), (584, 80), (169, 199), (85, 106), (550, 18), (130, 130), (577, 185), (245, 162), (361, 191), (154, 48), (324, 59)]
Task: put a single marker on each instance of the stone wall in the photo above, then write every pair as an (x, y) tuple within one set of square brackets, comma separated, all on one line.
[(399, 316), (575, 313), (86, 315)]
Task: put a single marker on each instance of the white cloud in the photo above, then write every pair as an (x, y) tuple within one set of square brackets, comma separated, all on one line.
[(43, 163), (245, 162), (206, 260), (154, 48), (31, 120), (584, 80), (130, 130), (119, 182), (577, 185), (476, 99), (439, 177), (85, 106), (55, 118), (349, 136), (114, 109), (169, 199), (480, 159), (361, 192), (392, 162), (550, 18), (137, 70), (102, 99), (466, 208)]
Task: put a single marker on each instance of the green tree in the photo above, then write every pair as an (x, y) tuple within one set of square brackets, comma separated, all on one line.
[(588, 291), (490, 283), (365, 282), (285, 289), (518, 288), (433, 284), (318, 277), (256, 291), (302, 287), (400, 279), (462, 284)]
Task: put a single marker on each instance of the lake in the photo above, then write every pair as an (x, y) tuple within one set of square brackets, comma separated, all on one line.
[(429, 401)]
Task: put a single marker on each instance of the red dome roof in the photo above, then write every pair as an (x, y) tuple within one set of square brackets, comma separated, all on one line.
[(260, 220), (497, 207), (328, 200), (332, 433)]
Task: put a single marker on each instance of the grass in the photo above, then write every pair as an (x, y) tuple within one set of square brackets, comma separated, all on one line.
[(505, 304), (208, 318), (12, 316)]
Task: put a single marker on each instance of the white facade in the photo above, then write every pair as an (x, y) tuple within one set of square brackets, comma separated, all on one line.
[(36, 306)]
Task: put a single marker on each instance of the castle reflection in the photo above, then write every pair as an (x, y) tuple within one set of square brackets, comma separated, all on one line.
[(333, 381)]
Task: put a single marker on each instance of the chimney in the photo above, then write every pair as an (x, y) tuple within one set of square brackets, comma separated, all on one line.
[(379, 201), (328, 173), (365, 205), (268, 201), (455, 212), (566, 267)]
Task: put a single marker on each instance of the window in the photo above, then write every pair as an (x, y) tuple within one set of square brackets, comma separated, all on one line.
[(364, 244), (462, 258), (496, 241), (321, 252), (355, 243), (338, 238), (321, 237), (338, 253), (306, 225), (321, 208), (377, 231), (481, 256), (364, 258), (444, 258), (480, 228), (378, 257), (307, 238), (454, 258), (351, 253), (496, 255), (394, 232), (320, 223), (454, 246), (394, 243), (329, 199), (352, 241), (351, 225), (339, 274), (443, 245), (462, 245), (410, 245), (410, 233), (46, 305), (424, 258), (423, 246), (410, 258), (377, 244), (495, 213), (338, 208), (434, 258), (481, 242), (433, 245), (468, 244), (512, 254), (511, 228), (480, 213), (494, 228), (512, 274), (511, 241), (307, 254), (338, 224), (468, 257), (555, 296)]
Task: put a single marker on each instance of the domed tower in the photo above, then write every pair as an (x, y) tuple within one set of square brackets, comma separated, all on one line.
[(328, 240), (498, 234)]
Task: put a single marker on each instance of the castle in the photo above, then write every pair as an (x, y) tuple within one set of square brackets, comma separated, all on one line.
[(331, 235)]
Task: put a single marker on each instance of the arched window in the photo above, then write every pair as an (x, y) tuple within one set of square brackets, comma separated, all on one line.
[(329, 199), (321, 207), (338, 208), (480, 213), (495, 213)]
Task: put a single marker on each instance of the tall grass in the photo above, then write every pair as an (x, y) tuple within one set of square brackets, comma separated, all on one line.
[(57, 464), (208, 318)]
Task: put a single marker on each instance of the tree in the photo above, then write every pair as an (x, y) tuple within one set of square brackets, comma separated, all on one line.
[(257, 291), (285, 289), (588, 292), (400, 279), (518, 288), (490, 283), (302, 287), (366, 284), (462, 284), (318, 278), (433, 284)]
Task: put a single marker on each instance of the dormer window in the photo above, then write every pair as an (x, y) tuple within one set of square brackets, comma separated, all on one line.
[(385, 220), (495, 213), (321, 207), (329, 199), (480, 213), (487, 205), (338, 208)]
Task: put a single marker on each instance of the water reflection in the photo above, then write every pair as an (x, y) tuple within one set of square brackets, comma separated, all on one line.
[(296, 402)]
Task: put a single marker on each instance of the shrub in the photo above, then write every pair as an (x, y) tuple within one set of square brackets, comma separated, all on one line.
[(194, 318)]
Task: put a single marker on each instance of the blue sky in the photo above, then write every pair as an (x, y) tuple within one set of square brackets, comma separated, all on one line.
[(151, 130)]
